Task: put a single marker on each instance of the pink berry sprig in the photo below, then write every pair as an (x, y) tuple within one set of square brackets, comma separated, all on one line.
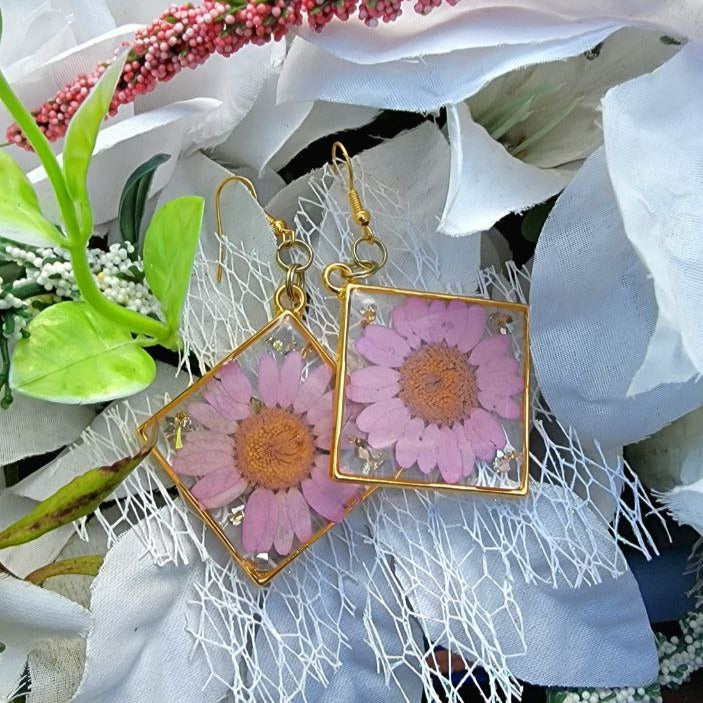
[(186, 35)]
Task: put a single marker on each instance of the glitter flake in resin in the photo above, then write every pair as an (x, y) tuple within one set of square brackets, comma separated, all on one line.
[(435, 389), (251, 448)]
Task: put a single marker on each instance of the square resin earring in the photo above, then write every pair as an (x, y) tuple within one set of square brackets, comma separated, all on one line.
[(248, 445), (433, 385)]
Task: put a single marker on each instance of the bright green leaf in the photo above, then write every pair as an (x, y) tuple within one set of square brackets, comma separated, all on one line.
[(75, 355), (76, 499), (81, 137), (134, 195), (80, 566), (170, 243), (20, 215)]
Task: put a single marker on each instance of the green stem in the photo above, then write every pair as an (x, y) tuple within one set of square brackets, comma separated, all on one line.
[(43, 150), (136, 322)]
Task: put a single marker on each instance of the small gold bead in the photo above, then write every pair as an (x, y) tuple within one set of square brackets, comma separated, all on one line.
[(362, 218)]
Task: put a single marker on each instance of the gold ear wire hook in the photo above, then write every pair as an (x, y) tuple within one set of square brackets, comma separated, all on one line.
[(361, 216), (280, 228)]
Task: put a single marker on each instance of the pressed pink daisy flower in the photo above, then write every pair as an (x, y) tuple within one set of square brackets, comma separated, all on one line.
[(271, 444), (437, 387)]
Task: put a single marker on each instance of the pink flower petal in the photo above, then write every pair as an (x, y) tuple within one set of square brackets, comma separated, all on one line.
[(207, 416), (323, 407), (260, 521), (482, 447), (417, 312), (283, 539), (235, 382), (448, 457), (312, 388), (373, 383), (195, 461), (503, 406), (209, 440), (427, 458), (501, 364), (384, 346), (456, 319), (438, 321), (387, 430), (468, 457), (299, 514), (289, 386), (490, 348), (498, 384), (222, 401), (218, 488), (326, 497), (371, 414), (488, 427), (269, 379), (401, 324), (323, 432), (474, 327), (408, 447)]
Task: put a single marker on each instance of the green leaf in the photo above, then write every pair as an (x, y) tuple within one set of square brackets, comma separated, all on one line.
[(134, 195), (79, 566), (80, 141), (76, 499), (75, 355), (534, 219), (21, 218), (170, 243)]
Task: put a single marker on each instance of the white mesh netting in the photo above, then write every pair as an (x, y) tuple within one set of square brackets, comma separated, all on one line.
[(408, 571)]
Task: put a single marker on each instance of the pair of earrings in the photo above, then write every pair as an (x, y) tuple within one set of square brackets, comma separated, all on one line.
[(277, 442)]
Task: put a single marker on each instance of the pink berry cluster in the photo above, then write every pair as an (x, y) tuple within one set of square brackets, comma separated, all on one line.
[(185, 36)]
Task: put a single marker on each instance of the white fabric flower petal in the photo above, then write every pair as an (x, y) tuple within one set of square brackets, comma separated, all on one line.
[(56, 667), (421, 84), (559, 102), (236, 82), (52, 426), (123, 146), (357, 679), (654, 149), (673, 456), (485, 181), (28, 616), (685, 503), (610, 642), (139, 614), (592, 313)]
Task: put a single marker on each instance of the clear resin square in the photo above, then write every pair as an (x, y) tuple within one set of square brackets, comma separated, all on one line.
[(432, 391), (248, 446)]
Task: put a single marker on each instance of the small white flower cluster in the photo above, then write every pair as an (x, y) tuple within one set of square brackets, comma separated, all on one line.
[(120, 275), (679, 657), (9, 301), (615, 695)]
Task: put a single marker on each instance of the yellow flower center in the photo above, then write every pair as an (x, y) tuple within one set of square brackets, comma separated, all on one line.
[(274, 449), (438, 384)]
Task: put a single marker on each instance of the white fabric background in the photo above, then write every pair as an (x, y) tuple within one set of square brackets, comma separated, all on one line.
[(593, 311), (654, 152)]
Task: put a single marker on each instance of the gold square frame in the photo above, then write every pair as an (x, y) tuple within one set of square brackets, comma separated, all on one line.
[(258, 576), (336, 471)]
